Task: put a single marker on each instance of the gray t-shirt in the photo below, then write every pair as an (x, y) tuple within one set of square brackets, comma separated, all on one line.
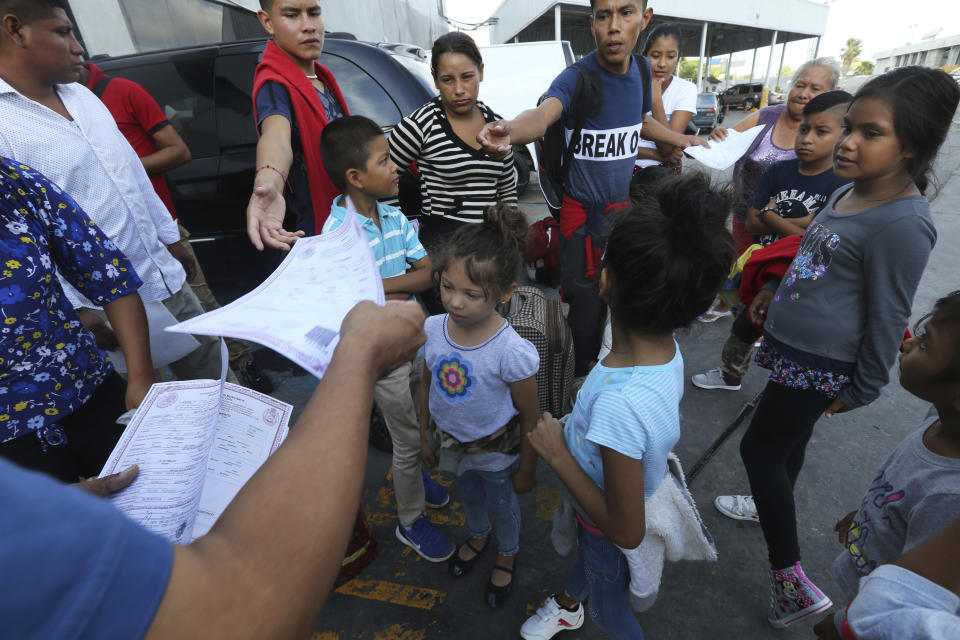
[(470, 386), (848, 293), (895, 603), (915, 494)]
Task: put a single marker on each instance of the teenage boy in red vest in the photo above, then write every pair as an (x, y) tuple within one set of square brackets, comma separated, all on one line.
[(294, 97)]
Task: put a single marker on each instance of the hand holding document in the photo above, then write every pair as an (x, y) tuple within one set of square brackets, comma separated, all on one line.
[(722, 155), (197, 443), (297, 311)]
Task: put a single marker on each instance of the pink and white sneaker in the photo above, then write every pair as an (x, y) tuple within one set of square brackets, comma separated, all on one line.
[(550, 619), (794, 598)]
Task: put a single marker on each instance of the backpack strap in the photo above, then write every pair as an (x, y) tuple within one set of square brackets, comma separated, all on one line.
[(587, 100), (101, 86)]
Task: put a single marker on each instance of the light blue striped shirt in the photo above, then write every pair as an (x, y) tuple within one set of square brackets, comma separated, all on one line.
[(395, 243), (633, 410)]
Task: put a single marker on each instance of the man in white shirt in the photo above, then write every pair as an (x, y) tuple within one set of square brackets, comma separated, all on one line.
[(60, 128)]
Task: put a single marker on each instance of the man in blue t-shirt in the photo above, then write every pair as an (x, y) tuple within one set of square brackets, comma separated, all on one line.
[(599, 178)]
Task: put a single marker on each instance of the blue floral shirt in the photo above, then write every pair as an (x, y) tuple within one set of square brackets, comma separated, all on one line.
[(49, 364)]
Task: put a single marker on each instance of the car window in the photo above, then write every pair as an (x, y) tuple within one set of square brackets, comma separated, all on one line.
[(364, 95), (706, 100), (758, 88), (183, 87), (745, 89), (731, 91), (236, 125)]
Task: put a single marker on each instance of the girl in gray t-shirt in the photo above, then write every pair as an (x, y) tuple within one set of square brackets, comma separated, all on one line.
[(917, 490), (480, 390)]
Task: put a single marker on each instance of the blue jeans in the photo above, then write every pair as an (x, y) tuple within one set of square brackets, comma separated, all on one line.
[(601, 576), (486, 496)]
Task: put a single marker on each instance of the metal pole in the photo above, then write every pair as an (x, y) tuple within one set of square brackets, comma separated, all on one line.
[(556, 22), (773, 46), (726, 75), (753, 65), (703, 47), (783, 53), (816, 52)]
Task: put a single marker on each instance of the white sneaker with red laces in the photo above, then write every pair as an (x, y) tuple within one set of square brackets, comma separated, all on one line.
[(737, 507), (551, 619)]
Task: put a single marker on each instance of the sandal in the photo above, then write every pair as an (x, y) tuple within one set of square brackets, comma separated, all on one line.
[(458, 566), (497, 595)]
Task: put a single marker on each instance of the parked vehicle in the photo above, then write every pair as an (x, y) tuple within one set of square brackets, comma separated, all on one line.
[(206, 93), (709, 112), (744, 96)]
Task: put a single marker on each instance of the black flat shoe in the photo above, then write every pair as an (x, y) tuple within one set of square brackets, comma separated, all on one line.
[(496, 595), (460, 567)]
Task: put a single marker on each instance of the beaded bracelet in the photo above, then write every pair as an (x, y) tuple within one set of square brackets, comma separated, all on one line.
[(270, 166)]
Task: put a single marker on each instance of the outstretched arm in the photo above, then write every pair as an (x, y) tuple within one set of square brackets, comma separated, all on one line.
[(129, 322), (268, 564), (497, 137), (267, 207)]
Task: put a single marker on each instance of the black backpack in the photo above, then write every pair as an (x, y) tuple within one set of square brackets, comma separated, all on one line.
[(554, 155)]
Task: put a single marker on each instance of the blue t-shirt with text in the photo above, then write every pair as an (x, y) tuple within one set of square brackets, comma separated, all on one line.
[(603, 161)]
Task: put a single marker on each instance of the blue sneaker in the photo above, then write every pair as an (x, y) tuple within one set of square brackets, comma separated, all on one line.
[(435, 494), (423, 538)]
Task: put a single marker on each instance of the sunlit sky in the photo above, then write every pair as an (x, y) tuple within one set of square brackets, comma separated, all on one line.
[(880, 24)]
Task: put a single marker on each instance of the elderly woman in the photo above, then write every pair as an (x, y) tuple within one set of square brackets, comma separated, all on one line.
[(775, 143)]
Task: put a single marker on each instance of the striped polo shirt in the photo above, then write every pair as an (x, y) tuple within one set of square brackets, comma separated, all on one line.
[(395, 243)]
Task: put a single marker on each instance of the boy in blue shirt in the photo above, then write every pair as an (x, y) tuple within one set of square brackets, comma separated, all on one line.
[(788, 196), (357, 158)]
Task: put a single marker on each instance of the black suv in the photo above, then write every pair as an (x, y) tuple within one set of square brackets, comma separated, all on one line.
[(206, 93)]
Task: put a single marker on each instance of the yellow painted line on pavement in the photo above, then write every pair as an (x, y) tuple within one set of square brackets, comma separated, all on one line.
[(416, 597), (326, 635), (400, 632)]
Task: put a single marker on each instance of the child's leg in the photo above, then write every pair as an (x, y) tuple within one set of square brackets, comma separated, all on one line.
[(503, 508), (474, 500), (602, 577), (738, 349), (392, 394), (777, 436)]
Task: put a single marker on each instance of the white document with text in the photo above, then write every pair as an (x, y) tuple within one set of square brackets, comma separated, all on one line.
[(197, 442), (722, 155), (297, 311)]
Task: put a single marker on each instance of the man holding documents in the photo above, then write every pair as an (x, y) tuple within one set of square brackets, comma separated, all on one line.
[(60, 128), (85, 570), (599, 178)]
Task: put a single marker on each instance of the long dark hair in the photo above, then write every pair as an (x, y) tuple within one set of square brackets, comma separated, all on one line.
[(923, 102), (664, 30), (454, 42), (492, 251), (668, 255)]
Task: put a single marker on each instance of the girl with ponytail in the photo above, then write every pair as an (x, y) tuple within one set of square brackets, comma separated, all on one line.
[(478, 398)]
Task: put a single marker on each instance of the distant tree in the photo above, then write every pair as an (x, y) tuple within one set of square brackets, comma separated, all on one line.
[(688, 68), (849, 54), (864, 69)]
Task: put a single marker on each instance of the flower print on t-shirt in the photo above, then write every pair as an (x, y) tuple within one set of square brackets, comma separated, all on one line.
[(453, 377), (814, 256)]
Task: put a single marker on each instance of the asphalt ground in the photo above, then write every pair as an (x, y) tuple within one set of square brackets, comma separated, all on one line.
[(402, 597)]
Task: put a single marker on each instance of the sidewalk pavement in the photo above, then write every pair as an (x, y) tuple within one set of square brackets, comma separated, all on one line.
[(402, 597)]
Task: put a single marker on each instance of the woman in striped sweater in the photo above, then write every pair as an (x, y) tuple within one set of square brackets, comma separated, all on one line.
[(457, 178)]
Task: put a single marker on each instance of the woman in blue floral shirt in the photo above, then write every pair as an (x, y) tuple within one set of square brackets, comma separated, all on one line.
[(59, 395)]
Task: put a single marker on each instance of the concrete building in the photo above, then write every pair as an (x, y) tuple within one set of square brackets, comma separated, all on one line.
[(944, 52), (710, 28), (118, 27)]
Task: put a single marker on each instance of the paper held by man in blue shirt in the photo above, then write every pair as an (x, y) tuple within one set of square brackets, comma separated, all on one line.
[(326, 275)]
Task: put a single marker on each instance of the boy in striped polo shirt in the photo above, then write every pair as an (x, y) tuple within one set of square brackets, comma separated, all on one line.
[(357, 158)]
